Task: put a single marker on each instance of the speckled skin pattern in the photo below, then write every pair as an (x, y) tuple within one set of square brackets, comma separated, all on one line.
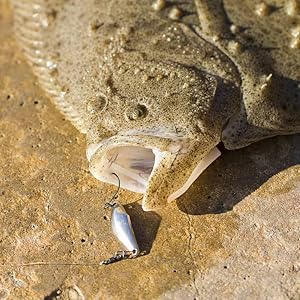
[(205, 70)]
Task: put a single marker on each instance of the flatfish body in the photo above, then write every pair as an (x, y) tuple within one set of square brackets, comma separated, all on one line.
[(156, 85), (270, 30)]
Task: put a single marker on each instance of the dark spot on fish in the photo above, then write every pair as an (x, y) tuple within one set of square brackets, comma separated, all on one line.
[(95, 25), (52, 14)]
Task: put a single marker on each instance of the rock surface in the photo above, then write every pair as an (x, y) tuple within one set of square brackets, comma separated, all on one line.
[(234, 235)]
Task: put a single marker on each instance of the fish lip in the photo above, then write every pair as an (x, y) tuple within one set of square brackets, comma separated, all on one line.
[(159, 138), (139, 140)]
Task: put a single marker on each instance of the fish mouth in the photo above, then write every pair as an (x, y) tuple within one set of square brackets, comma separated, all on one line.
[(147, 164)]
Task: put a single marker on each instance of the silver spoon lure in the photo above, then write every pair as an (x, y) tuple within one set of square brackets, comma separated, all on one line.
[(122, 230)]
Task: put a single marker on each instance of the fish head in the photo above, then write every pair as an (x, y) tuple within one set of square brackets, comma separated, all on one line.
[(155, 130)]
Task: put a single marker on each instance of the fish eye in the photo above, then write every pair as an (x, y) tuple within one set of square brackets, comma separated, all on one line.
[(135, 113)]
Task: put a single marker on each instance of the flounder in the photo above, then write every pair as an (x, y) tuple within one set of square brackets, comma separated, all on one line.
[(156, 86)]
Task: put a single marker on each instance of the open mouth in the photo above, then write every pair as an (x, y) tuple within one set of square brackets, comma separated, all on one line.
[(137, 159), (133, 158), (133, 164)]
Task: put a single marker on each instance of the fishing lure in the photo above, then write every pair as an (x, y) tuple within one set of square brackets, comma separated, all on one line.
[(122, 229)]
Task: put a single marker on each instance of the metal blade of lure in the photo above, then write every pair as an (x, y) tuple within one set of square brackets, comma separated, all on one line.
[(122, 230)]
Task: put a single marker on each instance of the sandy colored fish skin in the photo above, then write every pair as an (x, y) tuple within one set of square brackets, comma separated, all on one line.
[(258, 44), (271, 93), (119, 68)]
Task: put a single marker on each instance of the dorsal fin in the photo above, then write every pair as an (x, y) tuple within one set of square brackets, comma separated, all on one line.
[(31, 23)]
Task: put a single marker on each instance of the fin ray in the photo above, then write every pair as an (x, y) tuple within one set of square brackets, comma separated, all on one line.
[(30, 26)]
